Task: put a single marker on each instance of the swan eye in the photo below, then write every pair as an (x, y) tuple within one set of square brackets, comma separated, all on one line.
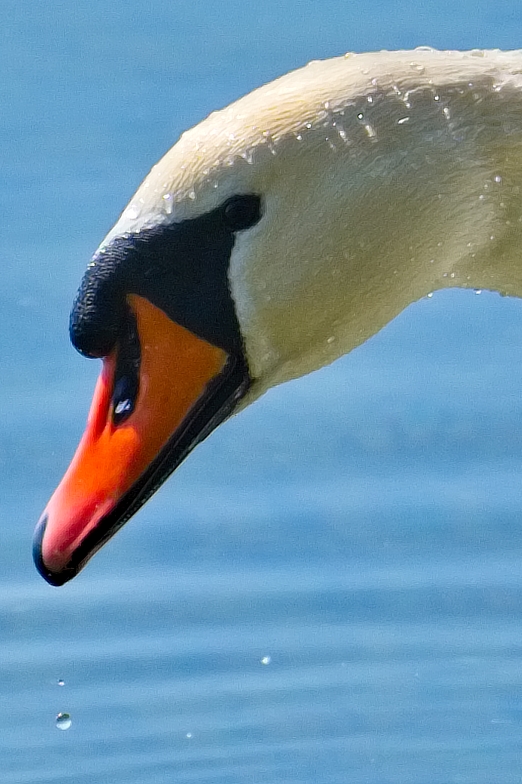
[(242, 212)]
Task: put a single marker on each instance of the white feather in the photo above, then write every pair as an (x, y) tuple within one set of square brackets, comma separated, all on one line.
[(384, 176)]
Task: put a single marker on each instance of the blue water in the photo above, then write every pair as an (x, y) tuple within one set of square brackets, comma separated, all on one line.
[(361, 527)]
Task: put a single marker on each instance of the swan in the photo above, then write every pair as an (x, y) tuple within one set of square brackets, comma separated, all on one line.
[(275, 236)]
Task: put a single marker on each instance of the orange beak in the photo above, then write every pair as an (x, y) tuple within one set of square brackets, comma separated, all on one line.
[(185, 388)]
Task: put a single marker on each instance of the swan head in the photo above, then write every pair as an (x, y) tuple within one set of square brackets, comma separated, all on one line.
[(275, 236)]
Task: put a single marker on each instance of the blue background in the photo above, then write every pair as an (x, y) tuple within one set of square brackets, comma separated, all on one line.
[(360, 527)]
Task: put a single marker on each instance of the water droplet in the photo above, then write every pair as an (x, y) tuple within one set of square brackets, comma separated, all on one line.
[(481, 197), (360, 116), (188, 735), (248, 156), (446, 113), (430, 295), (436, 97), (308, 125), (192, 195), (132, 211), (167, 203), (340, 130), (403, 120), (266, 660), (299, 137), (63, 721), (497, 178), (478, 291), (452, 275), (61, 682), (370, 99), (330, 340), (370, 131)]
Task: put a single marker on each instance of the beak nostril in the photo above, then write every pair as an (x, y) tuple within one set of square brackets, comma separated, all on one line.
[(126, 374), (123, 400)]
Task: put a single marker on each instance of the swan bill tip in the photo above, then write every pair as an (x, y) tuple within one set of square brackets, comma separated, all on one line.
[(53, 578)]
